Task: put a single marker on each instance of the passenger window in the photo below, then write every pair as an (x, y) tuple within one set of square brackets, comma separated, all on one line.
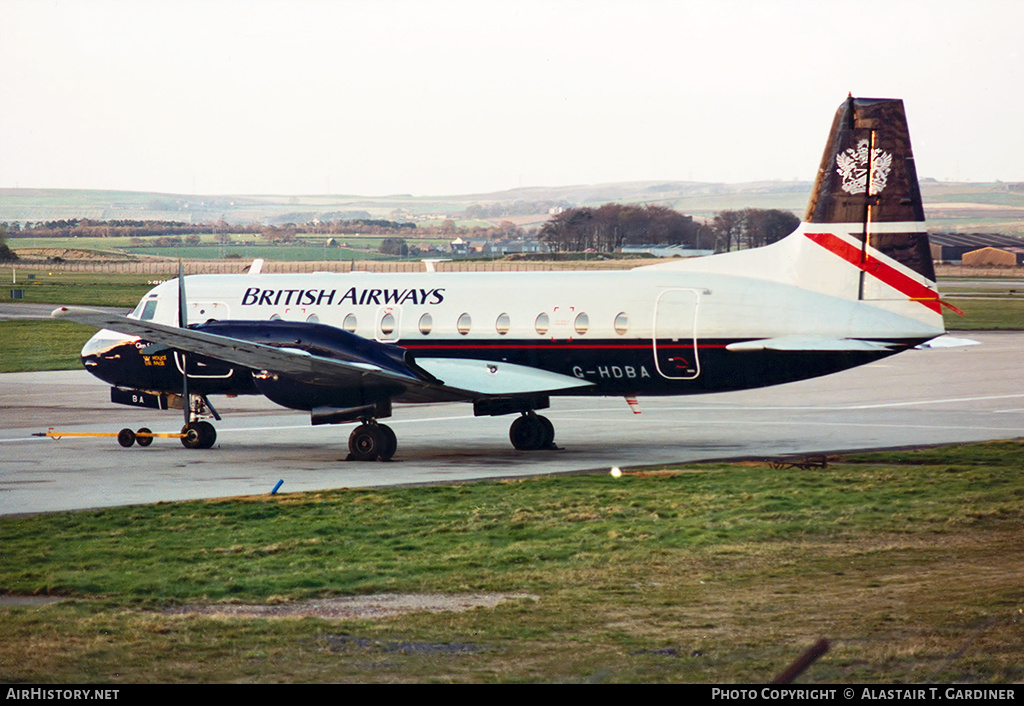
[(582, 323), (542, 324), (503, 324), (349, 324), (426, 324), (275, 317), (465, 322), (621, 323), (313, 319), (387, 324)]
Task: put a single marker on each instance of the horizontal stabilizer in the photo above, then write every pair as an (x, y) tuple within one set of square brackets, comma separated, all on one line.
[(808, 343), (948, 342), (490, 378)]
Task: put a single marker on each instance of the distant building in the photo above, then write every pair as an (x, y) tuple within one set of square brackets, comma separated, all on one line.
[(460, 247), (951, 247), (518, 245), (999, 257)]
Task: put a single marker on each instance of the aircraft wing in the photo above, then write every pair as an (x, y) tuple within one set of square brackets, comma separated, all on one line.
[(446, 378)]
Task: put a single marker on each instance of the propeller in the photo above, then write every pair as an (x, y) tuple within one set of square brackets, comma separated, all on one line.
[(183, 323)]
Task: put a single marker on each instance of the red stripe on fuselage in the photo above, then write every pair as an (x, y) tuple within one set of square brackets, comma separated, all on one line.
[(566, 345), (888, 274)]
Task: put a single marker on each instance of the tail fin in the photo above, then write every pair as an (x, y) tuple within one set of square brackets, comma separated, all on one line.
[(867, 177)]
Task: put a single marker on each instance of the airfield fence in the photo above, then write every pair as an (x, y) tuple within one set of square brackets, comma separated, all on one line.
[(169, 266), (193, 267)]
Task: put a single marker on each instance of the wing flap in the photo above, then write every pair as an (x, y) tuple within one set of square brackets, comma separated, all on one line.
[(809, 344), (496, 378)]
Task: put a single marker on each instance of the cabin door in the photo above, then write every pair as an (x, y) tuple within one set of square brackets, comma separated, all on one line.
[(675, 334)]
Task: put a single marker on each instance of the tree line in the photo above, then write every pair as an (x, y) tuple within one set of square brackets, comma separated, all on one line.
[(751, 228), (6, 254), (611, 226)]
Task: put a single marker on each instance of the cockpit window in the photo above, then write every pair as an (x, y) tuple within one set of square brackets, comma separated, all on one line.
[(149, 310)]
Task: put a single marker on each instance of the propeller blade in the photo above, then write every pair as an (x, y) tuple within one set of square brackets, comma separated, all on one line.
[(183, 323)]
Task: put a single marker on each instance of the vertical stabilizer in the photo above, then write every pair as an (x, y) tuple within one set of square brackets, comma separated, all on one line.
[(867, 177)]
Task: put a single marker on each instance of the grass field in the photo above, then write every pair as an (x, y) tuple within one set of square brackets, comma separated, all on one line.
[(54, 345), (42, 345), (297, 253), (985, 314), (907, 562), (305, 248), (43, 286)]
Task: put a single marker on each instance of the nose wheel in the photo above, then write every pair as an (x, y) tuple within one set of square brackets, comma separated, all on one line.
[(198, 435), (532, 432)]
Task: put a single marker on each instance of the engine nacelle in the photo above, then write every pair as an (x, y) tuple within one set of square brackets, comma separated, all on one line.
[(295, 394), (327, 342)]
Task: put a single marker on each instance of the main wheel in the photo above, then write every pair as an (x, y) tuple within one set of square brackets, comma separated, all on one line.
[(549, 432), (390, 442), (527, 433), (532, 432), (198, 435), (367, 443)]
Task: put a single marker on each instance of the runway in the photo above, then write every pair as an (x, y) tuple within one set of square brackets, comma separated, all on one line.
[(915, 398)]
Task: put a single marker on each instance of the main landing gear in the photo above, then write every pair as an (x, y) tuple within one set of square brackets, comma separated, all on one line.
[(532, 432), (371, 441)]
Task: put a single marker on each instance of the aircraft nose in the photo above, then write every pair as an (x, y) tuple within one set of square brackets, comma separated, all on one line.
[(110, 356), (124, 361), (104, 345)]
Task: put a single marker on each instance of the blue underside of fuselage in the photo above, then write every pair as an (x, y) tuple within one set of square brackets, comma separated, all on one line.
[(615, 367)]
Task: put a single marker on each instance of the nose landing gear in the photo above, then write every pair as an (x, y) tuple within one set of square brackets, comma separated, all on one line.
[(198, 434)]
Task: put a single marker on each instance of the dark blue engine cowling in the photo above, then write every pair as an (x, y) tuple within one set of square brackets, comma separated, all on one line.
[(319, 340)]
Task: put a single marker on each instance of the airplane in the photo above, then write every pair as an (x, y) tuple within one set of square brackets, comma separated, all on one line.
[(853, 283)]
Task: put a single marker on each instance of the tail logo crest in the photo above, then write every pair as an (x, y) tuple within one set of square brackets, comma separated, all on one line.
[(852, 166)]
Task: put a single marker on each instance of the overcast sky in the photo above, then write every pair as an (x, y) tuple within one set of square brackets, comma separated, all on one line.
[(452, 97)]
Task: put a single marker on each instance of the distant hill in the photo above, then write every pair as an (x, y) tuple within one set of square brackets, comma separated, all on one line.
[(953, 206)]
